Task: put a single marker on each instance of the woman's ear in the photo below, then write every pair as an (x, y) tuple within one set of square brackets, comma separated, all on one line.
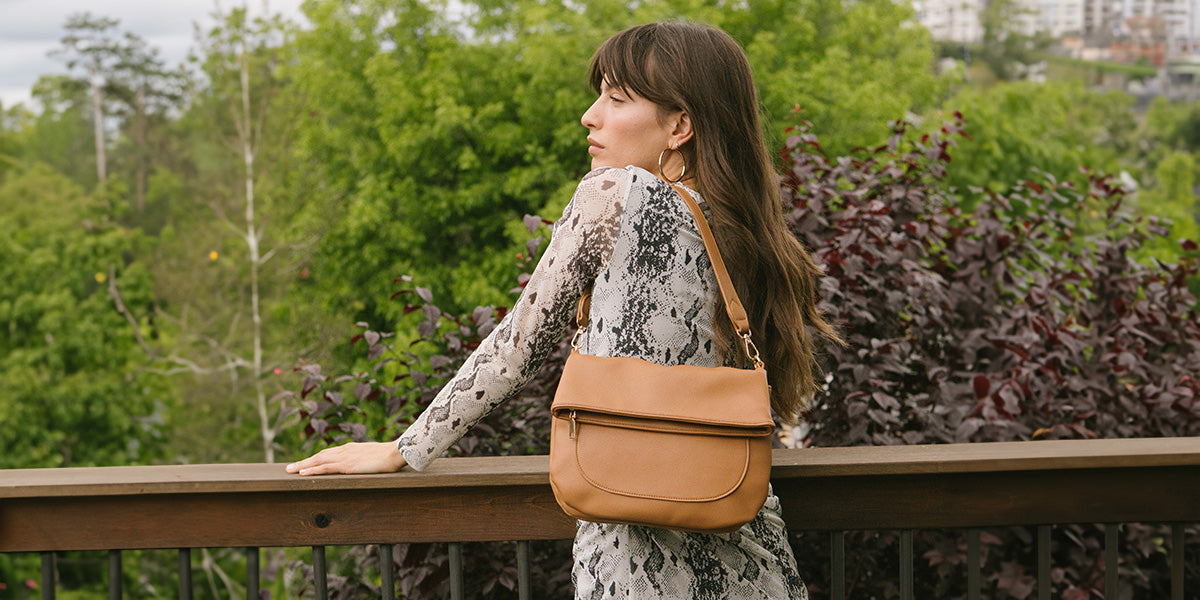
[(681, 131)]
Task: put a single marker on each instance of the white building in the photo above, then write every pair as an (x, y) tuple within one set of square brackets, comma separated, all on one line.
[(1061, 17), (1095, 20), (951, 20)]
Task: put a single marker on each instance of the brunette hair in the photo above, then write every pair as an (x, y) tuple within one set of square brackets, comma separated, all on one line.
[(702, 71)]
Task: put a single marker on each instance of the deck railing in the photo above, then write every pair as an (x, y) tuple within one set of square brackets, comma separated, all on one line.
[(457, 500)]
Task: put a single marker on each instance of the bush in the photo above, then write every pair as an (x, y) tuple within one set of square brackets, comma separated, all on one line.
[(1005, 324)]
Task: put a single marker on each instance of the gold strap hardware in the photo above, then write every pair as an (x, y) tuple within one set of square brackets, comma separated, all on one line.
[(752, 350)]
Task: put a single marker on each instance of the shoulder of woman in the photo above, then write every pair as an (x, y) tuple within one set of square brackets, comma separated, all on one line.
[(603, 185), (605, 179)]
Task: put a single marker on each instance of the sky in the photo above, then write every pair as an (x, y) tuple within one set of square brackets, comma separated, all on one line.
[(31, 28)]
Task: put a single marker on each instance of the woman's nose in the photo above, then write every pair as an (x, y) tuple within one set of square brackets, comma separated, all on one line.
[(589, 117)]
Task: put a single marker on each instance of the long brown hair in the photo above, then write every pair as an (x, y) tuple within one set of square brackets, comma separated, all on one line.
[(703, 72)]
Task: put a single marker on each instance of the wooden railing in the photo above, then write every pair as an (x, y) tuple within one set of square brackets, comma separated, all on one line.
[(508, 498)]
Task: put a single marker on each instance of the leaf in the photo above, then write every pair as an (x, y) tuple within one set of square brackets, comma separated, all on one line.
[(481, 315), (981, 385), (426, 329), (532, 245), (361, 390), (308, 384), (282, 395), (357, 431), (318, 426), (885, 401), (431, 312)]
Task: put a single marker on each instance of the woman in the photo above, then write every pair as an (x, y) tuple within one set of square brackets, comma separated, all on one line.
[(676, 103)]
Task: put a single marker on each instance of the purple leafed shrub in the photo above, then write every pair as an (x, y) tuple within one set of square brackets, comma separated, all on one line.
[(1009, 323), (1004, 324)]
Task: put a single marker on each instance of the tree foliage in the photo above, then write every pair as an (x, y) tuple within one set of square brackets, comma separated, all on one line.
[(71, 371), (434, 132), (1020, 129)]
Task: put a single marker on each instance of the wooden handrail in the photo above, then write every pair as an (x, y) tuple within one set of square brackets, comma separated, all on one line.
[(509, 498)]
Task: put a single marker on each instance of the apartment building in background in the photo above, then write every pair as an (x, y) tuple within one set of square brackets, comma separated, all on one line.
[(1157, 30)]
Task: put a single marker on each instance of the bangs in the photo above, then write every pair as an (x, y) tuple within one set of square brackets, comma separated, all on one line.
[(626, 61)]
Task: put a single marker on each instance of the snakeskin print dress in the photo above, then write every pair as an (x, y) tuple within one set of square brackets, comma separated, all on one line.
[(654, 297)]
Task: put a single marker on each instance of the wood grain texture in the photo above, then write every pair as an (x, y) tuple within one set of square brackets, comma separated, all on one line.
[(282, 519), (239, 478), (509, 498)]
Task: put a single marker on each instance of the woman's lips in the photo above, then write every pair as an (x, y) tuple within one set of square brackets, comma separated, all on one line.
[(593, 147)]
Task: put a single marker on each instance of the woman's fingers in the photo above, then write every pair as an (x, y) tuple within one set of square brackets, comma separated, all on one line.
[(364, 457)]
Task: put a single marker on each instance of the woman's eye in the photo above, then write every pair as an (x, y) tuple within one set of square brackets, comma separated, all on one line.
[(616, 98)]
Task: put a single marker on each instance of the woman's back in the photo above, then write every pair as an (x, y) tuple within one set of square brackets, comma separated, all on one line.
[(656, 296)]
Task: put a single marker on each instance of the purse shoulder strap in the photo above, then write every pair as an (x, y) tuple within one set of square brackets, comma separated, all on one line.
[(733, 304)]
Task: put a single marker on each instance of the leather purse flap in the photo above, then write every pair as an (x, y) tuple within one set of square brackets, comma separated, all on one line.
[(720, 396)]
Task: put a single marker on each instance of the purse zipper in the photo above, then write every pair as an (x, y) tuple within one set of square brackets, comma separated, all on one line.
[(573, 425)]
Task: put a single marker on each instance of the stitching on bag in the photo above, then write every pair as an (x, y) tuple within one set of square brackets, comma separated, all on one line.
[(740, 480)]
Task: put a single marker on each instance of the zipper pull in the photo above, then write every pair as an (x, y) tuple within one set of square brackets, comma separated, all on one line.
[(573, 425)]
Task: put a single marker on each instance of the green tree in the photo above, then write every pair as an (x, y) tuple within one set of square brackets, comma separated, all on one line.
[(92, 44), (434, 131), (73, 387), (224, 260), (13, 121), (147, 91), (61, 133), (850, 67), (1055, 128), (1173, 197), (1005, 50)]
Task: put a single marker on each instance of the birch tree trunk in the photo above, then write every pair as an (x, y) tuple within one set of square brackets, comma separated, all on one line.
[(252, 236)]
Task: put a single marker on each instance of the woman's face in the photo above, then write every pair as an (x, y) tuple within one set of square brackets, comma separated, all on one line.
[(625, 129)]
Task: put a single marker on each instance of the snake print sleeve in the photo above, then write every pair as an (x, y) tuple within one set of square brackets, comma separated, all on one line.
[(580, 246)]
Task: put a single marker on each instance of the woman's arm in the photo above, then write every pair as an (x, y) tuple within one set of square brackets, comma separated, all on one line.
[(511, 354)]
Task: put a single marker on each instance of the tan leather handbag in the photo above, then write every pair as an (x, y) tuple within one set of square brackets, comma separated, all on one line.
[(680, 447)]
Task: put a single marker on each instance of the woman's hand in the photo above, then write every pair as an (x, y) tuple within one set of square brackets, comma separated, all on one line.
[(355, 457)]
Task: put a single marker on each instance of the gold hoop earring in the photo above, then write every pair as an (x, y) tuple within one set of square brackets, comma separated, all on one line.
[(660, 166)]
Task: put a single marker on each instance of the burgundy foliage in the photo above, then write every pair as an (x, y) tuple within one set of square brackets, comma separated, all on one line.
[(1004, 324)]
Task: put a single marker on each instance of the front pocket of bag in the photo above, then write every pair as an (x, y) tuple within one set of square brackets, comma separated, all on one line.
[(658, 465)]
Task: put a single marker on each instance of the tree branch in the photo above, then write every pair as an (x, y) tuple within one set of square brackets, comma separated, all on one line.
[(115, 294)]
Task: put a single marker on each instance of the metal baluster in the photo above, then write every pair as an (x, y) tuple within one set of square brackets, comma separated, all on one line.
[(1043, 570), (837, 565), (387, 582), (185, 574), (320, 586), (973, 566), (456, 571), (523, 585), (1177, 565), (1111, 539), (48, 576), (251, 573), (114, 575), (906, 565)]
